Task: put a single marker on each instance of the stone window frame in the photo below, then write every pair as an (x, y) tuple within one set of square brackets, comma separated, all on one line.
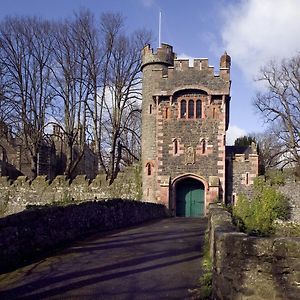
[(191, 109), (184, 110), (203, 144), (247, 179), (198, 115), (149, 168), (167, 112), (175, 147)]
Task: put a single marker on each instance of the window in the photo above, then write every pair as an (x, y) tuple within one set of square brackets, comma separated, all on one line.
[(190, 106), (175, 146), (191, 109), (203, 146), (247, 178), (214, 113), (198, 109), (148, 167), (150, 109), (167, 113), (183, 109)]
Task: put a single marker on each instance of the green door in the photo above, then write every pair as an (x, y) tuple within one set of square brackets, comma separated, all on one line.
[(189, 198)]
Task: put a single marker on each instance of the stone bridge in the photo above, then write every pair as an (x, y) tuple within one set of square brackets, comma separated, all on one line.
[(159, 259)]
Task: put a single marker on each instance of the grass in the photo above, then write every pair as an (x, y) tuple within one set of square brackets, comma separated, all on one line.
[(203, 290)]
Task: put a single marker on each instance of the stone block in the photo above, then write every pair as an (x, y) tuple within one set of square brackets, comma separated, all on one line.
[(213, 181), (80, 180), (99, 181), (40, 182), (21, 181), (4, 181), (60, 181)]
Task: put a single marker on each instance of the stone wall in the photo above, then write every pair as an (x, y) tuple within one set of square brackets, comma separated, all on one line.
[(291, 189), (249, 268), (198, 129), (15, 196), (31, 232)]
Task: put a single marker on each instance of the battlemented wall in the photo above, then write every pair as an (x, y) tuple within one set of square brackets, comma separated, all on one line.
[(252, 268), (17, 195)]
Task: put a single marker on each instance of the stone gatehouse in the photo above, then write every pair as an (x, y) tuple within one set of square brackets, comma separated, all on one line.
[(185, 115)]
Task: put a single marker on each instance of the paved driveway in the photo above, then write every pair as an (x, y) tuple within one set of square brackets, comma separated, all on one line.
[(159, 260)]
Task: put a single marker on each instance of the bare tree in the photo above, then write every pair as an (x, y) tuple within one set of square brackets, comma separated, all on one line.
[(114, 69), (280, 106), (99, 44), (25, 56), (71, 88), (124, 95), (80, 75)]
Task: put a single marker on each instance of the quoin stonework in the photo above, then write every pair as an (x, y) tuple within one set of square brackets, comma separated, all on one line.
[(185, 115)]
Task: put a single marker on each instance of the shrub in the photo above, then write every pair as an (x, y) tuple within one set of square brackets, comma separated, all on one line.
[(276, 177), (257, 216)]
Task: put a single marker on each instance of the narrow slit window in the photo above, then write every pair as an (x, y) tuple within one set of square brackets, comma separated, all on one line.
[(203, 146), (148, 166), (150, 109), (247, 178), (183, 109), (167, 113), (214, 113), (175, 143), (198, 109), (191, 109)]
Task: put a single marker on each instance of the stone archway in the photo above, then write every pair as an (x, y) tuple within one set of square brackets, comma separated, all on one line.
[(189, 196)]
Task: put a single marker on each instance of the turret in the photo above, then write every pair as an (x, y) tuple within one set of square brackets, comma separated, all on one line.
[(154, 66), (163, 56), (225, 63)]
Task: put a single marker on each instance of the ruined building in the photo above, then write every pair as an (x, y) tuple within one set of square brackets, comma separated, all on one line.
[(51, 159), (185, 115)]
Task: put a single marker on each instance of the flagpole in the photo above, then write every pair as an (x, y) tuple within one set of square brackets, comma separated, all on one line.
[(159, 30)]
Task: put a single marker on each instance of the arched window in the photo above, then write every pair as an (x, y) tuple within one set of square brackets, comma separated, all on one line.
[(148, 167), (198, 109), (175, 146), (191, 109), (203, 146), (183, 109)]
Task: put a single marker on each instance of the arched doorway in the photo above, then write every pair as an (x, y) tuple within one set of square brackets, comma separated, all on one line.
[(189, 198)]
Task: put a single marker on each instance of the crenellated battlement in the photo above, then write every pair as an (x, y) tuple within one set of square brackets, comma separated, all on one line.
[(198, 64), (164, 55)]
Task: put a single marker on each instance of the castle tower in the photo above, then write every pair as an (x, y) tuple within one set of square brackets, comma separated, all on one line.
[(185, 115), (154, 65)]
